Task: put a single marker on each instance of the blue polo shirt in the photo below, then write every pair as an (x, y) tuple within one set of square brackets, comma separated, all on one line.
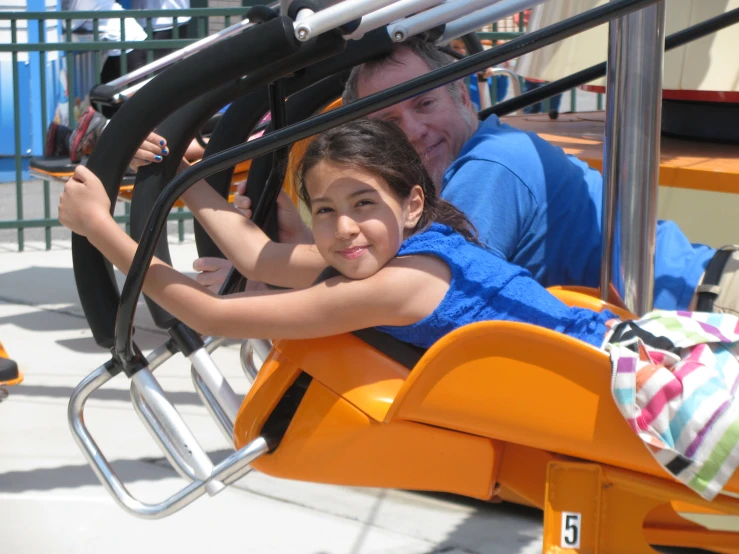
[(540, 208)]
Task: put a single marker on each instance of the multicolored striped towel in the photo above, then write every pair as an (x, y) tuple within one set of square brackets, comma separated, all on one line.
[(675, 379)]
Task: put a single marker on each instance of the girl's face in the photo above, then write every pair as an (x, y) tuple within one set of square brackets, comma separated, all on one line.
[(358, 222)]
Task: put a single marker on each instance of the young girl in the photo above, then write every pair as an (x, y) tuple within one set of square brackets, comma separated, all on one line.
[(409, 262)]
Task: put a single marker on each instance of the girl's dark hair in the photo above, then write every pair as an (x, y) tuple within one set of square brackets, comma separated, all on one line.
[(383, 149)]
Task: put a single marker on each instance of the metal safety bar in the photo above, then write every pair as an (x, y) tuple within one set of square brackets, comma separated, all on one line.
[(250, 349), (213, 401), (433, 17), (389, 14), (631, 154), (336, 16), (169, 431)]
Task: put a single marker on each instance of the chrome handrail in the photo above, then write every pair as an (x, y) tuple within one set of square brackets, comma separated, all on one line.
[(171, 434)]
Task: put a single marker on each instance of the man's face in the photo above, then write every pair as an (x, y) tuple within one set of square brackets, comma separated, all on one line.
[(435, 124)]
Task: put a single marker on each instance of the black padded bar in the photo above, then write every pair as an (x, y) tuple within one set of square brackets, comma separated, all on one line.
[(360, 108), (189, 78), (8, 370)]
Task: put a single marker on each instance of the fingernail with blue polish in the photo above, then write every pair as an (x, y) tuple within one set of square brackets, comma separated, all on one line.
[(162, 143), (165, 151), (158, 158)]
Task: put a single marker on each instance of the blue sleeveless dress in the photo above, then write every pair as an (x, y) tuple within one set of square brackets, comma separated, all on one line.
[(486, 287)]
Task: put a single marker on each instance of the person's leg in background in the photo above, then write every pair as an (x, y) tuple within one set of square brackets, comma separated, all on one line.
[(554, 101), (501, 87)]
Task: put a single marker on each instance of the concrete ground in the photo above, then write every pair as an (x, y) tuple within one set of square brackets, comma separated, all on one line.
[(51, 502)]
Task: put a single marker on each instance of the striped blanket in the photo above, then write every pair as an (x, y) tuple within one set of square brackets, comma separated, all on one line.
[(675, 379)]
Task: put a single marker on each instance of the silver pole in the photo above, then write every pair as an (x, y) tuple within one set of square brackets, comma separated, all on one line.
[(432, 17), (631, 157), (336, 16), (389, 14)]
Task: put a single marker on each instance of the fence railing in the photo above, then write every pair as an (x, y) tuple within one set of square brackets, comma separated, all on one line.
[(57, 67), (50, 68)]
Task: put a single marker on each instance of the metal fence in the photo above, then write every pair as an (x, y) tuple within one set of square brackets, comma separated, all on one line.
[(45, 62), (46, 57)]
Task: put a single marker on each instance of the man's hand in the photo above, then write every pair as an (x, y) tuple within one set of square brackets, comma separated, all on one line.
[(84, 202), (290, 228), (212, 272), (153, 150)]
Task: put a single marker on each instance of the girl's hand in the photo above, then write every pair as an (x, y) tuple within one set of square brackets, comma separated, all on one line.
[(84, 204), (153, 150)]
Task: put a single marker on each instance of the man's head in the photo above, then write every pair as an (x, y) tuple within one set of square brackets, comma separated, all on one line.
[(438, 122)]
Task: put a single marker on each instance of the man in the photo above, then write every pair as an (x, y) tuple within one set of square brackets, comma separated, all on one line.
[(531, 203)]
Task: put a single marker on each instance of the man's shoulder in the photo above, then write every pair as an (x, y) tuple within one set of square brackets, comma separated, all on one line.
[(500, 143), (499, 150)]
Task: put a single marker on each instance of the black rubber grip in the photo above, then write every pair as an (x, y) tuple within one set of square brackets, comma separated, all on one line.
[(187, 79)]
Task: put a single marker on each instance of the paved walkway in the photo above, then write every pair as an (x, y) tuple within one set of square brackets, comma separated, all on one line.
[(51, 502)]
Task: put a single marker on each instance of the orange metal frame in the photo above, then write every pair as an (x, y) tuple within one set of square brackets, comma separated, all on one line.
[(494, 409)]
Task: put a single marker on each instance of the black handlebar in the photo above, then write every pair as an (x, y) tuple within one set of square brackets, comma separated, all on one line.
[(189, 78)]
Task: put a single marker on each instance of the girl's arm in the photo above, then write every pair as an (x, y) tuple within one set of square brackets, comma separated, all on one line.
[(246, 245), (402, 293)]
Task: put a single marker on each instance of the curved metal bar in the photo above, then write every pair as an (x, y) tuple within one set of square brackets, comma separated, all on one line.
[(236, 465), (515, 83), (428, 19), (389, 14), (336, 16), (249, 348), (147, 416), (169, 431), (100, 464), (208, 371), (224, 473), (225, 424)]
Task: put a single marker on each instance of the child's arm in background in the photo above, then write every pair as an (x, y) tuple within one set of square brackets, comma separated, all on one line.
[(404, 292)]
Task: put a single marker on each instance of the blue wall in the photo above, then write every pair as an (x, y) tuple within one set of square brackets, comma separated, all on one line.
[(29, 83)]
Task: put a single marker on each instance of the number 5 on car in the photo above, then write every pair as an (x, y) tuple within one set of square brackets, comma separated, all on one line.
[(573, 507), (570, 534)]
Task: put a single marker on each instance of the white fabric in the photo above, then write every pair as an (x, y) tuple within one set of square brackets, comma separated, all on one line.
[(161, 23), (707, 64), (109, 29)]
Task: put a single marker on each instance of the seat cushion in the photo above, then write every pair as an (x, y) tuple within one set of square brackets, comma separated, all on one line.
[(8, 370), (53, 165)]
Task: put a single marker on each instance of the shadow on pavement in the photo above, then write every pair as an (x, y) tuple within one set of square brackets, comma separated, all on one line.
[(182, 397)]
